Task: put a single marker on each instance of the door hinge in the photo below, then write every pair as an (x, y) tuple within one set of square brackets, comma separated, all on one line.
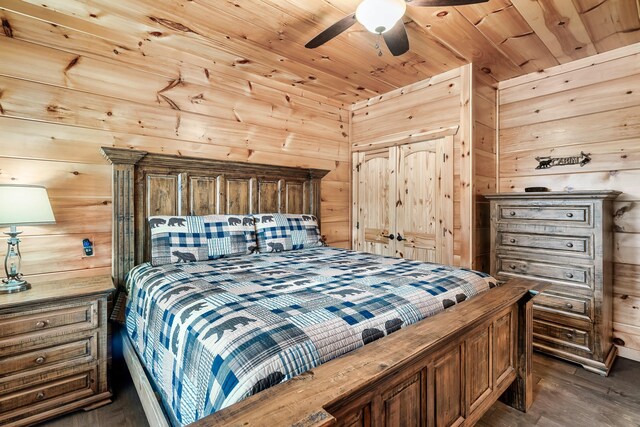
[(358, 225), (358, 167)]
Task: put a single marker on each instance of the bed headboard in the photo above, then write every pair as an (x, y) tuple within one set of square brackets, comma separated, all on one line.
[(147, 184)]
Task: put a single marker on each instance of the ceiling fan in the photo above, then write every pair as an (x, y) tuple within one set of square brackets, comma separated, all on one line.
[(382, 17)]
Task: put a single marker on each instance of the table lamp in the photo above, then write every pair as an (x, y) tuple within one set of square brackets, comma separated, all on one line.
[(20, 205)]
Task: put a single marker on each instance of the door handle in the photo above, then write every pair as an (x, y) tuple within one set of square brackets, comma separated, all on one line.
[(390, 236), (400, 238)]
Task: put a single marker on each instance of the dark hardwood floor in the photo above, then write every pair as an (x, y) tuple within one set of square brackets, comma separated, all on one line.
[(565, 396)]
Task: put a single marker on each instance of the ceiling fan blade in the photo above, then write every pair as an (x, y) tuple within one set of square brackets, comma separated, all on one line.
[(334, 30), (440, 3), (397, 39)]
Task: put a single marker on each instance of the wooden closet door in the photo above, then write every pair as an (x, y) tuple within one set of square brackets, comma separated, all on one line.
[(374, 184), (424, 200)]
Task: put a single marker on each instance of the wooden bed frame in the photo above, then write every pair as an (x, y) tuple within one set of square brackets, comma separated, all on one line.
[(446, 370)]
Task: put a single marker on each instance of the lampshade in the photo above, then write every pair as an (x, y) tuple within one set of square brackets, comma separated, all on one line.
[(24, 205), (379, 16)]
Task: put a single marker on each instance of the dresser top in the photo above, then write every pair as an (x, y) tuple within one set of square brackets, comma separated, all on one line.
[(578, 194), (57, 290)]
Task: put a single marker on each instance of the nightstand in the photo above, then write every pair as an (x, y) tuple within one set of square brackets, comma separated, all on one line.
[(53, 350)]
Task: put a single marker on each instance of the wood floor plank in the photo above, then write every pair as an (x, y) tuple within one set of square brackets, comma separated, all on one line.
[(568, 395)]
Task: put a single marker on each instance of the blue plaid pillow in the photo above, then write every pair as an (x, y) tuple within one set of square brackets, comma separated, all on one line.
[(285, 232), (200, 238)]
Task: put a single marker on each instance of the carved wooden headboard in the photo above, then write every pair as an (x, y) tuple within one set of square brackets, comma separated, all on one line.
[(147, 184)]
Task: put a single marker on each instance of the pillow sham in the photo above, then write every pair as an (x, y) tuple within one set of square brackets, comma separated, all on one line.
[(284, 232), (176, 239)]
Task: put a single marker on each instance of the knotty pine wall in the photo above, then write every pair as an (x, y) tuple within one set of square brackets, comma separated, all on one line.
[(66, 92), (444, 101), (484, 104), (591, 105)]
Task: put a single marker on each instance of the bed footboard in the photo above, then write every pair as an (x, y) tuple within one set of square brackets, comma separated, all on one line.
[(445, 370)]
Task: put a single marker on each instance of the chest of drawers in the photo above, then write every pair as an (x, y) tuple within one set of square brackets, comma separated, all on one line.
[(565, 239), (53, 350)]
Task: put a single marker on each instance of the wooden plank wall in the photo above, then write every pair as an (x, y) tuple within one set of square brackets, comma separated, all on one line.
[(403, 115), (591, 105), (484, 164), (64, 94)]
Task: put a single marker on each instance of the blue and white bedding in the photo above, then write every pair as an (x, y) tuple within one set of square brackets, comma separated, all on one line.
[(212, 333)]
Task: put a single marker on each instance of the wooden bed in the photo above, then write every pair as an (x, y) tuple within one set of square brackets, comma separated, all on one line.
[(445, 370)]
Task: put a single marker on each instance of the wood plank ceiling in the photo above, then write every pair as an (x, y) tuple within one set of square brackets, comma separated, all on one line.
[(265, 38)]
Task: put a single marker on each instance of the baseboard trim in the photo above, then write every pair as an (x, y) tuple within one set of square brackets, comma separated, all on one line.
[(629, 353)]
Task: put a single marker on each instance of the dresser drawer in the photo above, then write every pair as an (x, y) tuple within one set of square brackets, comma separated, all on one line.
[(78, 350), (544, 243), (49, 320), (561, 334), (568, 215), (571, 275), (574, 305), (58, 389)]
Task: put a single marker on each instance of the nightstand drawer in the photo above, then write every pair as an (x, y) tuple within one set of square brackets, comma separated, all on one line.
[(563, 304), (49, 320), (76, 351), (58, 389), (561, 334), (542, 243), (576, 215)]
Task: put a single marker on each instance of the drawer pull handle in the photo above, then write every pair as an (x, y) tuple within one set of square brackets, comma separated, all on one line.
[(570, 335), (512, 266), (569, 305), (569, 275), (42, 324), (512, 240), (512, 213), (569, 245), (40, 395), (569, 215), (40, 360)]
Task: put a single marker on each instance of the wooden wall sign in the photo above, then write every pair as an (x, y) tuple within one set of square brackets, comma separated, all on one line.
[(549, 162)]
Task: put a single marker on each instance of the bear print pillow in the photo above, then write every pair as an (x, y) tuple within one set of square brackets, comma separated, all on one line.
[(284, 232), (176, 239)]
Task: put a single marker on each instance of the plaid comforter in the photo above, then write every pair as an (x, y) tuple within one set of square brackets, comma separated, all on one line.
[(215, 332)]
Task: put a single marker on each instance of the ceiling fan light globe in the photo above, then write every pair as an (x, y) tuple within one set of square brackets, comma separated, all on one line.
[(379, 16)]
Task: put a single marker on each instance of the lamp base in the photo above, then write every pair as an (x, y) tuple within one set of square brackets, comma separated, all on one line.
[(12, 286)]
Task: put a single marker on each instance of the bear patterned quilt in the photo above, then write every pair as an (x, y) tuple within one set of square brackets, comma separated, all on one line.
[(214, 332)]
